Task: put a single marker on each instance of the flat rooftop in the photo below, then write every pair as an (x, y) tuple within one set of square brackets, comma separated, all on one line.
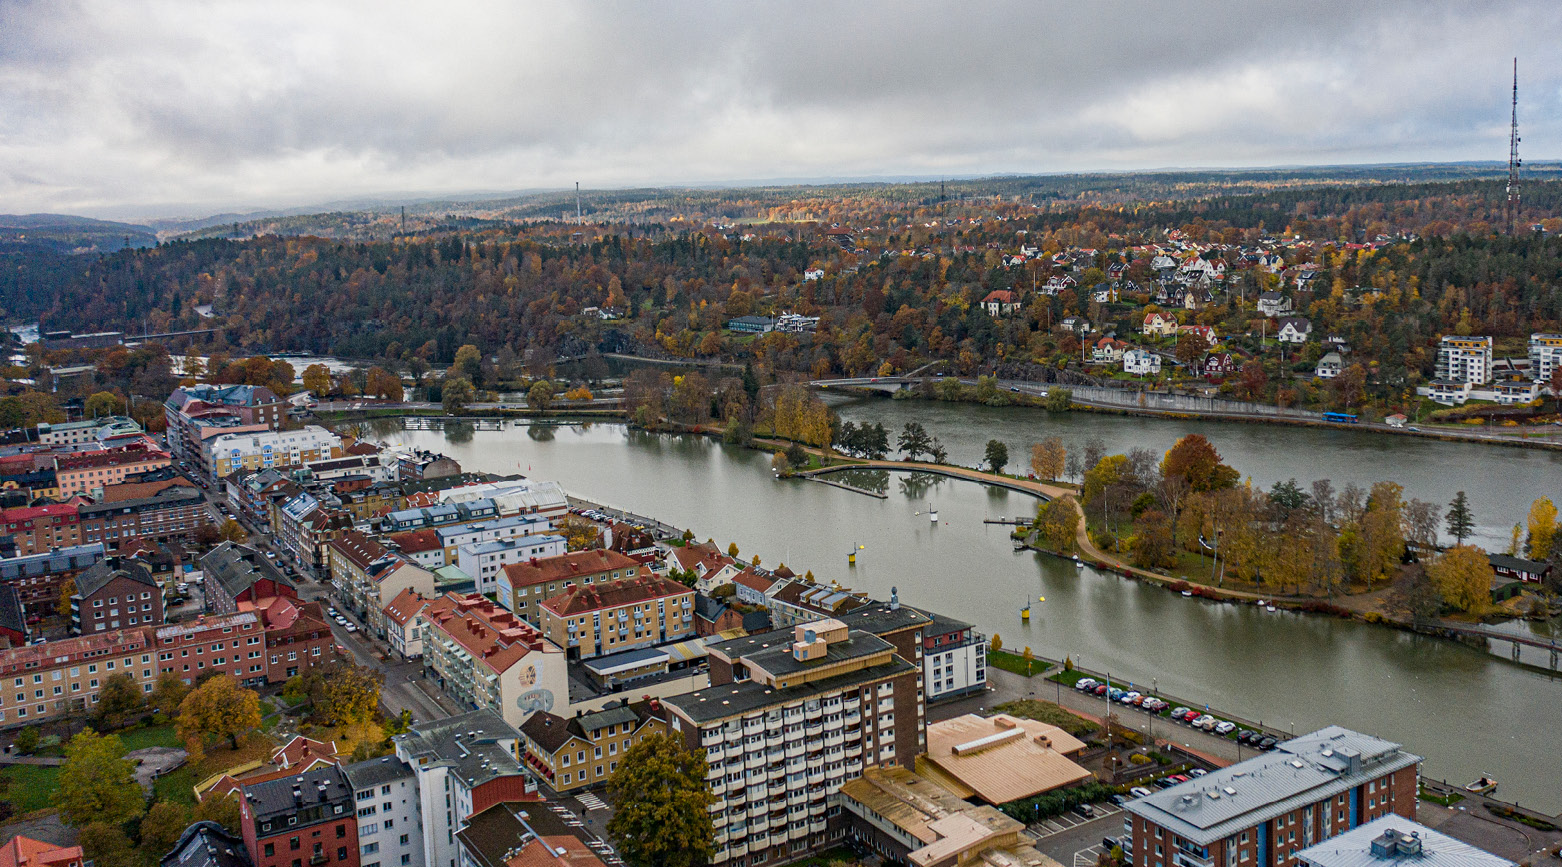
[(728, 700), (1001, 758), (1394, 840), (1298, 772)]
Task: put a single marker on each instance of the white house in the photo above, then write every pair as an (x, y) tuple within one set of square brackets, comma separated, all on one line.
[(483, 560), (1294, 329), (1274, 304), (1000, 302), (813, 274), (1141, 362), (390, 833), (1329, 365)]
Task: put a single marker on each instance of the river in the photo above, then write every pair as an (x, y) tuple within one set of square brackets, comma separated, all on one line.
[(1466, 711)]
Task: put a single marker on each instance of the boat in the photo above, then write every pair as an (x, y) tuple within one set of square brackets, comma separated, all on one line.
[(1078, 563), (1270, 608), (1188, 593), (932, 513), (1485, 785)]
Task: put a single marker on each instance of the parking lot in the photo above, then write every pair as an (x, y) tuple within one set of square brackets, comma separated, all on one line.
[(1071, 820), (1073, 840)]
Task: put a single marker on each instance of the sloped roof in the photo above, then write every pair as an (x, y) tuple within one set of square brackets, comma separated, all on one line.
[(93, 578), (566, 567), (612, 594)]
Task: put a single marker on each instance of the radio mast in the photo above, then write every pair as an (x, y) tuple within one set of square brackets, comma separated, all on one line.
[(1513, 156)]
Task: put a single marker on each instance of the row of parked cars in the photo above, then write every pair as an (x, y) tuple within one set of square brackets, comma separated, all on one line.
[(1190, 716)]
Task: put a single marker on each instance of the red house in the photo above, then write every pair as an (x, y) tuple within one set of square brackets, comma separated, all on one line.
[(309, 819)]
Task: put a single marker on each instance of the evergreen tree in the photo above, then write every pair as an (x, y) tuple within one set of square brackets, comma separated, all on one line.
[(1461, 523)]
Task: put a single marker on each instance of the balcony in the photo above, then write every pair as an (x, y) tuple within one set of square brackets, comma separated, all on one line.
[(720, 838), (794, 751), (833, 739), (719, 821), (854, 769), (717, 787), (813, 729), (816, 826), (797, 798), (797, 833), (714, 738), (318, 859), (852, 719), (739, 848), (775, 738), (715, 755), (754, 761), (815, 777), (713, 773), (776, 773)]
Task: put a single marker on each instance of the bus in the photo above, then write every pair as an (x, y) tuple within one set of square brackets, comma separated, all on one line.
[(1340, 417)]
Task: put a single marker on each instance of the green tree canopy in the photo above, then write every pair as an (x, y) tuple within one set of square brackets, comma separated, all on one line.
[(97, 783), (661, 805)]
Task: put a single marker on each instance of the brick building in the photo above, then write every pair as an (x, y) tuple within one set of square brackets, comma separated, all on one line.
[(523, 586), (41, 529), (576, 752), (1263, 811), (62, 678), (91, 472), (113, 594), (236, 574), (38, 577), (233, 644), (485, 657), (614, 616), (175, 512), (308, 819)]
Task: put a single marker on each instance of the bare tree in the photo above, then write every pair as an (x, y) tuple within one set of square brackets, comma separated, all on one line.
[(1351, 503), (1421, 520), (1323, 499)]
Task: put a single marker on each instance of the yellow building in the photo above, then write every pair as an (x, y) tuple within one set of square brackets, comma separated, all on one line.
[(621, 615), (585, 751)]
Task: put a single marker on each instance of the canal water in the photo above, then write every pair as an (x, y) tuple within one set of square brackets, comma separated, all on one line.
[(1467, 711)]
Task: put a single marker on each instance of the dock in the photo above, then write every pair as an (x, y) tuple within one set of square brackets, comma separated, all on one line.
[(437, 422), (1007, 522), (845, 487)]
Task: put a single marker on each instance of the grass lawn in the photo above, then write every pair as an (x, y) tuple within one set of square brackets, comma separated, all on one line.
[(1015, 663), (1447, 800), (178, 786), (1049, 713), (29, 787), (1069, 677), (153, 736)]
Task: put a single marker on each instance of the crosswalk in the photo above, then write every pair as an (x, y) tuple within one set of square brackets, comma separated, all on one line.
[(590, 801)]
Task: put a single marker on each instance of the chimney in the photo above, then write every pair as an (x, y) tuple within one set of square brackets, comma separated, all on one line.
[(894, 599)]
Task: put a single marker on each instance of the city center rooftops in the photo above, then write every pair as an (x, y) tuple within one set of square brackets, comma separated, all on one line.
[(1394, 840), (473, 745), (1001, 758), (1300, 771), (715, 703)]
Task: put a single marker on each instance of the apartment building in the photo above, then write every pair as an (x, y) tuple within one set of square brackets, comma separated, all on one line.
[(420, 546), (532, 835), (523, 586), (174, 513), (205, 844), (792, 715), (390, 830), (308, 818), (514, 496), (1264, 811), (366, 576), (277, 449), (14, 631), (1545, 356), (613, 616), (421, 464), (574, 753), (90, 473), (1392, 841), (405, 623), (792, 601), (92, 430), (235, 574), (37, 578), (486, 657), (464, 765), (42, 529), (192, 410), (483, 560), (234, 644), (1464, 360), (954, 659), (62, 678), (452, 537), (113, 594), (298, 637), (438, 515)]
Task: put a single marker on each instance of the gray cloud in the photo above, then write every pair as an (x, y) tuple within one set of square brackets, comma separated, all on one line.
[(109, 105)]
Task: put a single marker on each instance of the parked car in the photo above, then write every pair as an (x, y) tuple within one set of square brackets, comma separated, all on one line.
[(1140, 792), (1225, 727), (1086, 810), (1119, 800), (1109, 843), (1198, 772), (1178, 712), (1246, 736), (1165, 783), (1180, 778), (1129, 697), (1268, 743), (1100, 689), (1085, 683), (1114, 693), (351, 628)]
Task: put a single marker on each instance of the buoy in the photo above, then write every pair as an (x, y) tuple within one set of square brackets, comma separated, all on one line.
[(1025, 613)]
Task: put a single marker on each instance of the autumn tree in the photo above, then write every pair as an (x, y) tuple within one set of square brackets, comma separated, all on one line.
[(162, 825), (62, 605), (168, 692), (468, 364), (540, 396), (118, 698), (661, 805), (1542, 528), (344, 694), (1057, 523), (383, 384), (1152, 545), (224, 810), (580, 534), (1048, 458), (233, 531), (456, 394), (218, 708), (97, 783), (1382, 533), (997, 455), (1462, 577), (103, 403), (1194, 458), (317, 380), (106, 844)]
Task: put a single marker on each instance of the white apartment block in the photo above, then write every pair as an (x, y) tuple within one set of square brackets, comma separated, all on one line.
[(483, 560), (1545, 355), (1464, 359), (261, 450), (390, 828)]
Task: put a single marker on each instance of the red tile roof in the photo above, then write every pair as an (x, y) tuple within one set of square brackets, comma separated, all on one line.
[(359, 549), (486, 631), (566, 567), (26, 852), (416, 541), (405, 606), (113, 458), (612, 594), (754, 581)]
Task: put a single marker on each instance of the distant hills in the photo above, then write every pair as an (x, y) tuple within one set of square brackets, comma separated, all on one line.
[(63, 233)]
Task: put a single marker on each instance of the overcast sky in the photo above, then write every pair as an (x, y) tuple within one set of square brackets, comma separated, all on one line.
[(145, 107)]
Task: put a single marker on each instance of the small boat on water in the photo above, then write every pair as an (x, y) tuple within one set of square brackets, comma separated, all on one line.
[(1485, 785), (1270, 608), (1078, 563), (1188, 594)]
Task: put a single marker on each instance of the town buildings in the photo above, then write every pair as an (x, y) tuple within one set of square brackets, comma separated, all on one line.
[(62, 678), (1545, 355), (464, 765), (235, 574), (613, 616), (276, 449), (194, 412), (1392, 841), (484, 560), (486, 657), (907, 818), (390, 829), (89, 473), (206, 844), (789, 717), (1464, 360), (308, 819), (232, 644), (175, 512), (523, 586), (954, 658), (22, 851), (1141, 362), (366, 576), (576, 752), (38, 577), (42, 529), (113, 594), (1001, 758), (1294, 329), (1265, 810)]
